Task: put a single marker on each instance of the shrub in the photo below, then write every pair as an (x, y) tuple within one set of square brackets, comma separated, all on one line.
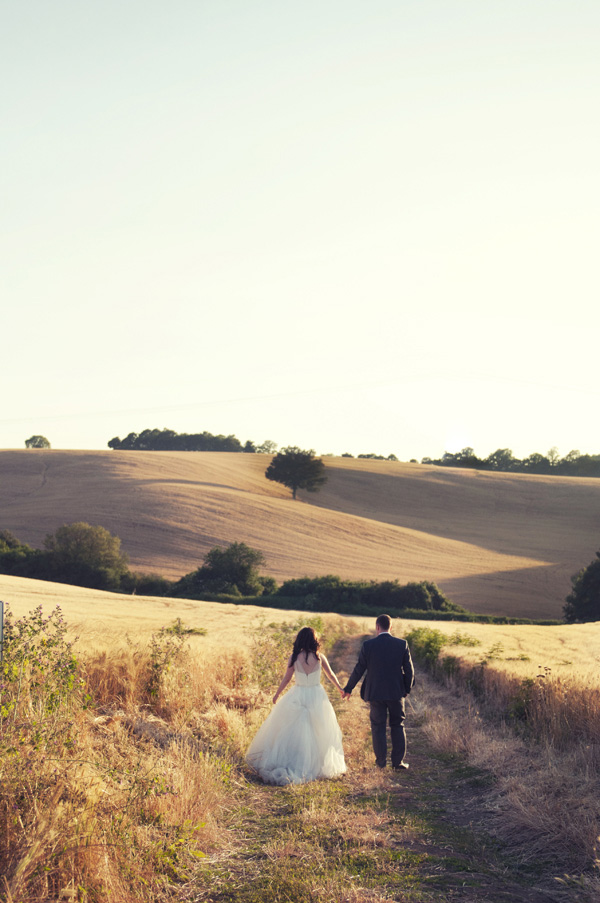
[(583, 602), (233, 570), (330, 593)]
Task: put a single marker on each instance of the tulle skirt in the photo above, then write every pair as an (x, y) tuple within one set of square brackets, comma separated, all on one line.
[(299, 741)]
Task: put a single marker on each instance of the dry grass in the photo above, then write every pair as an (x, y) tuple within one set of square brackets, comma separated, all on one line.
[(495, 543), (545, 677), (544, 803), (114, 801), (139, 795), (536, 731), (117, 791)]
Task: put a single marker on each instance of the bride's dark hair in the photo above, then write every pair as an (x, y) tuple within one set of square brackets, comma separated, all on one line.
[(306, 642)]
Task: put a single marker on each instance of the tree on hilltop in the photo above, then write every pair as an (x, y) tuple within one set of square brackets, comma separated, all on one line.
[(297, 469), (37, 442)]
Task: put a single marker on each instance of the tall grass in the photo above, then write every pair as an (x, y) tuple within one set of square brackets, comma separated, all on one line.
[(114, 769), (538, 736), (548, 707)]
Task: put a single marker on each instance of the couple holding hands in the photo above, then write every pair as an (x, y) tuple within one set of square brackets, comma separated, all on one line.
[(300, 740)]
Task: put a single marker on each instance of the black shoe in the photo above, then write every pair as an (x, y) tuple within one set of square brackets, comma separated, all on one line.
[(401, 767), (380, 766)]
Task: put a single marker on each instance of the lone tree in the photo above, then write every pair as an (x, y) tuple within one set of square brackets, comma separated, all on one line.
[(583, 602), (37, 442), (297, 469)]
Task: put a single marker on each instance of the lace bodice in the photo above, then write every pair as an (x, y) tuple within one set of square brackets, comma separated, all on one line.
[(313, 679)]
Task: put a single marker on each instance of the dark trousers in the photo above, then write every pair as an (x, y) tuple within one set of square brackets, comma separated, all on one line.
[(380, 709)]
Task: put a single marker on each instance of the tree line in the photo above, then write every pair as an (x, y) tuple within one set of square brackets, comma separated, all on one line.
[(574, 464), (85, 555), (90, 556)]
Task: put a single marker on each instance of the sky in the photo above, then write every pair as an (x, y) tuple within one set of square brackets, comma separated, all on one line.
[(363, 227)]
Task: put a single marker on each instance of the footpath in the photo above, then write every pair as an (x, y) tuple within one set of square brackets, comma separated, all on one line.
[(373, 836)]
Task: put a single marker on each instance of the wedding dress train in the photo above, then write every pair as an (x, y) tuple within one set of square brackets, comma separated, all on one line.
[(300, 740)]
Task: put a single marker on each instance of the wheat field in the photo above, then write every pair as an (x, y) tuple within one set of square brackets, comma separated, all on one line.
[(496, 543)]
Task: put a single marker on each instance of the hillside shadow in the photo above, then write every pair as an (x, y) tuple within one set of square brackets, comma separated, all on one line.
[(520, 516), (537, 592)]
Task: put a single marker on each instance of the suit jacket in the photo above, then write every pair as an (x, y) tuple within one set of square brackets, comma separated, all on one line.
[(389, 667)]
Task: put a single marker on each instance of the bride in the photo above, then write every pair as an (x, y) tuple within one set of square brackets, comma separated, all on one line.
[(300, 740)]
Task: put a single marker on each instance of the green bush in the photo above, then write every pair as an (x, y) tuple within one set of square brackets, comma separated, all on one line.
[(330, 593), (583, 602)]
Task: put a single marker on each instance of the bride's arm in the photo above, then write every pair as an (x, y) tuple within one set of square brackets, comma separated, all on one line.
[(329, 673), (285, 681)]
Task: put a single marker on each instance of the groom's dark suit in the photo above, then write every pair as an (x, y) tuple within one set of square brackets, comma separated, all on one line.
[(389, 678)]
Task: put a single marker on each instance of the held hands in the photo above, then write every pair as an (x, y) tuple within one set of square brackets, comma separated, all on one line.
[(344, 694)]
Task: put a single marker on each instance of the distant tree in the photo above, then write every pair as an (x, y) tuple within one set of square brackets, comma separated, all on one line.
[(553, 456), (536, 463), (502, 459), (583, 602), (297, 469), (169, 440), (37, 442), (233, 570), (86, 556), (249, 447), (347, 455), (268, 447), (391, 457)]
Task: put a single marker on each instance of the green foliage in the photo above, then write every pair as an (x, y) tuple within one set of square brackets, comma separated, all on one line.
[(146, 584), (169, 440), (583, 602), (181, 629), (330, 593), (19, 559), (37, 442), (86, 556), (427, 644), (232, 570), (166, 648), (273, 646), (297, 469), (38, 672), (574, 464)]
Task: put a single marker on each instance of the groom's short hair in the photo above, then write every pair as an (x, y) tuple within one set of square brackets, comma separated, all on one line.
[(384, 622)]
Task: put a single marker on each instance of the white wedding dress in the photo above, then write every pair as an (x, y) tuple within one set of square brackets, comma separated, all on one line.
[(300, 740)]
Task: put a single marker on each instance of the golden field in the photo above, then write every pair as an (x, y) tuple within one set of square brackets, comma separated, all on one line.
[(504, 544), (102, 620), (158, 777)]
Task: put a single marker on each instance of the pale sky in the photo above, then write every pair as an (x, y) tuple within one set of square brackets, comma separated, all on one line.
[(349, 226)]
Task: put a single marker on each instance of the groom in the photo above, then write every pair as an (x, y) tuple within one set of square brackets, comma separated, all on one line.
[(390, 677)]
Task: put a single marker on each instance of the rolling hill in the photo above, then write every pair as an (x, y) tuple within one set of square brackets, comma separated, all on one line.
[(496, 543)]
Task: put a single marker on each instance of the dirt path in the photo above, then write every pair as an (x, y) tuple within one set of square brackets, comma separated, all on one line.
[(371, 837), (446, 799)]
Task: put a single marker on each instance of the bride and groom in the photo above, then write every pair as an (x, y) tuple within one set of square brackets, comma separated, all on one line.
[(300, 740)]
